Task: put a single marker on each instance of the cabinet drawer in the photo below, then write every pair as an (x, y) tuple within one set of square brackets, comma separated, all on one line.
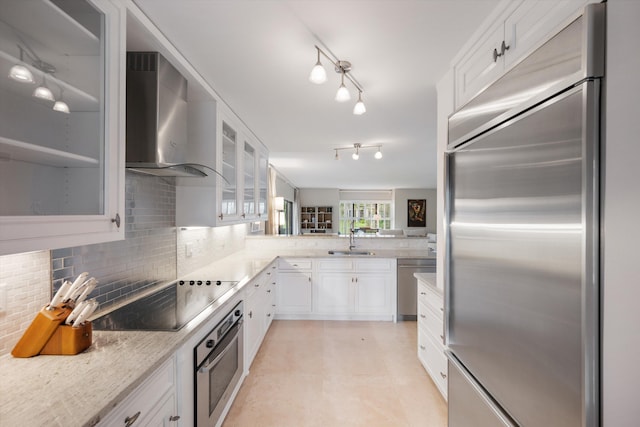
[(433, 324), (374, 264), (437, 364), (430, 298), (343, 265), (289, 264), (143, 399)]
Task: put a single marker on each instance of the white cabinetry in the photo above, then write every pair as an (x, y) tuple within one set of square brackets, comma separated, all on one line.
[(294, 287), (218, 140), (62, 173), (258, 311), (153, 403), (431, 333), (355, 288), (519, 28)]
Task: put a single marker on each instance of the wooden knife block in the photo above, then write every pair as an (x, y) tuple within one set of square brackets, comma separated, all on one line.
[(47, 335), (67, 340)]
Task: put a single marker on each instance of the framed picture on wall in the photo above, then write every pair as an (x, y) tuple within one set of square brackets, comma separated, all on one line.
[(417, 213)]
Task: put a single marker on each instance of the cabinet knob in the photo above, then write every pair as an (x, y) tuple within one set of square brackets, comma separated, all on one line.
[(423, 316), (221, 216), (243, 215), (442, 374), (504, 47), (423, 347), (174, 417), (423, 293), (116, 220), (268, 291), (442, 337)]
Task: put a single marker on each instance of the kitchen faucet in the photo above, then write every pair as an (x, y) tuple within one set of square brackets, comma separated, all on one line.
[(352, 236)]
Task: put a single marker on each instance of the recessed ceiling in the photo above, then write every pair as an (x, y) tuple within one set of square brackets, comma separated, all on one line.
[(257, 55)]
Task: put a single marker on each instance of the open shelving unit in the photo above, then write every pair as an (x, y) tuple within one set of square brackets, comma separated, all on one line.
[(316, 219)]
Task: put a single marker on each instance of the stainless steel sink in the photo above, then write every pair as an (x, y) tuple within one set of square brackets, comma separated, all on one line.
[(351, 253)]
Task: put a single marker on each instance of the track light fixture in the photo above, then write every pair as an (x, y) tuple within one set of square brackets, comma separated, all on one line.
[(356, 153), (319, 75)]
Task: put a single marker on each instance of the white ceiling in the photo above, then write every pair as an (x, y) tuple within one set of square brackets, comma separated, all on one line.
[(257, 55)]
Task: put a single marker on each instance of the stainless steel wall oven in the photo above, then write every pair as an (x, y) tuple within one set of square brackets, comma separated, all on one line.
[(219, 363)]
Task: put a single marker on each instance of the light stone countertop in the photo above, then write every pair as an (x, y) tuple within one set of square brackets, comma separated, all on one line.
[(428, 279), (82, 389)]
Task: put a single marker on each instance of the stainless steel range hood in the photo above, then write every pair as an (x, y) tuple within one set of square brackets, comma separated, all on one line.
[(157, 117)]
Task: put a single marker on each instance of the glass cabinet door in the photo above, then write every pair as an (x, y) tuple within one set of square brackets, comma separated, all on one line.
[(263, 163), (52, 108), (249, 200), (61, 123), (229, 170)]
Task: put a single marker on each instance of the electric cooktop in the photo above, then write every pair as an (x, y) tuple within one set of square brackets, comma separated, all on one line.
[(167, 309)]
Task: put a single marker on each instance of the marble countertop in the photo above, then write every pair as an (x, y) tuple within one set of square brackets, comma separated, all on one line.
[(429, 279), (80, 390)]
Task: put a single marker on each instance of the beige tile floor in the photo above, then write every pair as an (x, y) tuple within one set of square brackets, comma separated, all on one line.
[(334, 373)]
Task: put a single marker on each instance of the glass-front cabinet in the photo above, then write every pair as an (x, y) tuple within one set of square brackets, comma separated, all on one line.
[(263, 186), (229, 168), (61, 123), (249, 199)]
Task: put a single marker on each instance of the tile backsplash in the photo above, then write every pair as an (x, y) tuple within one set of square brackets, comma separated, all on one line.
[(145, 258), (154, 251)]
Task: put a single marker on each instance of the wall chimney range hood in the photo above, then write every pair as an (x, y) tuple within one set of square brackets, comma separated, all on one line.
[(157, 118)]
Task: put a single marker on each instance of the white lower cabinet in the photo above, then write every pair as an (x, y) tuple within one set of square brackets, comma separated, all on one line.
[(294, 287), (336, 288), (431, 334), (259, 305), (153, 403)]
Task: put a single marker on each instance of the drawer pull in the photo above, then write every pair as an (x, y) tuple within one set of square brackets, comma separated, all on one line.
[(257, 285), (443, 375), (174, 417), (423, 347), (442, 337), (423, 316), (268, 291), (423, 293), (130, 420)]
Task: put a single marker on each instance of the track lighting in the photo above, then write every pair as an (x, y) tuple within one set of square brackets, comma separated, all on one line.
[(359, 108), (357, 147), (318, 75), (43, 92)]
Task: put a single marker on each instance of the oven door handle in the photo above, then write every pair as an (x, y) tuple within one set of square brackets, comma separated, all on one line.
[(210, 366)]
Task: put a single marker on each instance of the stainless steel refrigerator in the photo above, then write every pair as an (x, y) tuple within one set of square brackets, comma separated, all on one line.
[(522, 270)]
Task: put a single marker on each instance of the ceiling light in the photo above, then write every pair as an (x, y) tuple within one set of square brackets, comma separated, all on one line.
[(60, 105), (357, 147), (20, 72), (43, 92), (343, 93), (359, 108), (356, 155), (318, 73)]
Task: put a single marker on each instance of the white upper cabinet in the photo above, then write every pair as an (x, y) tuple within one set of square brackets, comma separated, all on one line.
[(518, 28), (61, 123)]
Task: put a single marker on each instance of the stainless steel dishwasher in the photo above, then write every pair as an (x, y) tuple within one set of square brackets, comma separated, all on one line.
[(407, 308)]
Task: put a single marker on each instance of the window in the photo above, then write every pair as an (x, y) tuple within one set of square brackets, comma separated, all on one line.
[(367, 216)]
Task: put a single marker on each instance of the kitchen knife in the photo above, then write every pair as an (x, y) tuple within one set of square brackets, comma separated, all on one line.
[(86, 312), (76, 284), (58, 298), (76, 312), (86, 289)]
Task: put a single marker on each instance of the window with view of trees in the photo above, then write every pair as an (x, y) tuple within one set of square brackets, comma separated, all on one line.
[(367, 216)]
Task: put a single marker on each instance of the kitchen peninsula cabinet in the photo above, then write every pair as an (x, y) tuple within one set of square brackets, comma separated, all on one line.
[(62, 168), (509, 35), (294, 287)]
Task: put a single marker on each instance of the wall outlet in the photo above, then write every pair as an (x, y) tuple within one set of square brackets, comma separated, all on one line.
[(3, 297)]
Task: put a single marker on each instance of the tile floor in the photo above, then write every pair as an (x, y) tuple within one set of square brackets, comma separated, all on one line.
[(334, 373)]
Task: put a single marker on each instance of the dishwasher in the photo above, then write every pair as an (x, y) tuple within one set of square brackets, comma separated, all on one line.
[(407, 308)]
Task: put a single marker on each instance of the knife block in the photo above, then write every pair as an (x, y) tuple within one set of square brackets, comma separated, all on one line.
[(67, 340), (40, 331)]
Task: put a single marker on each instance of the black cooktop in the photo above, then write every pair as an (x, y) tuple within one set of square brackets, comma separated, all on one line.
[(167, 309)]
